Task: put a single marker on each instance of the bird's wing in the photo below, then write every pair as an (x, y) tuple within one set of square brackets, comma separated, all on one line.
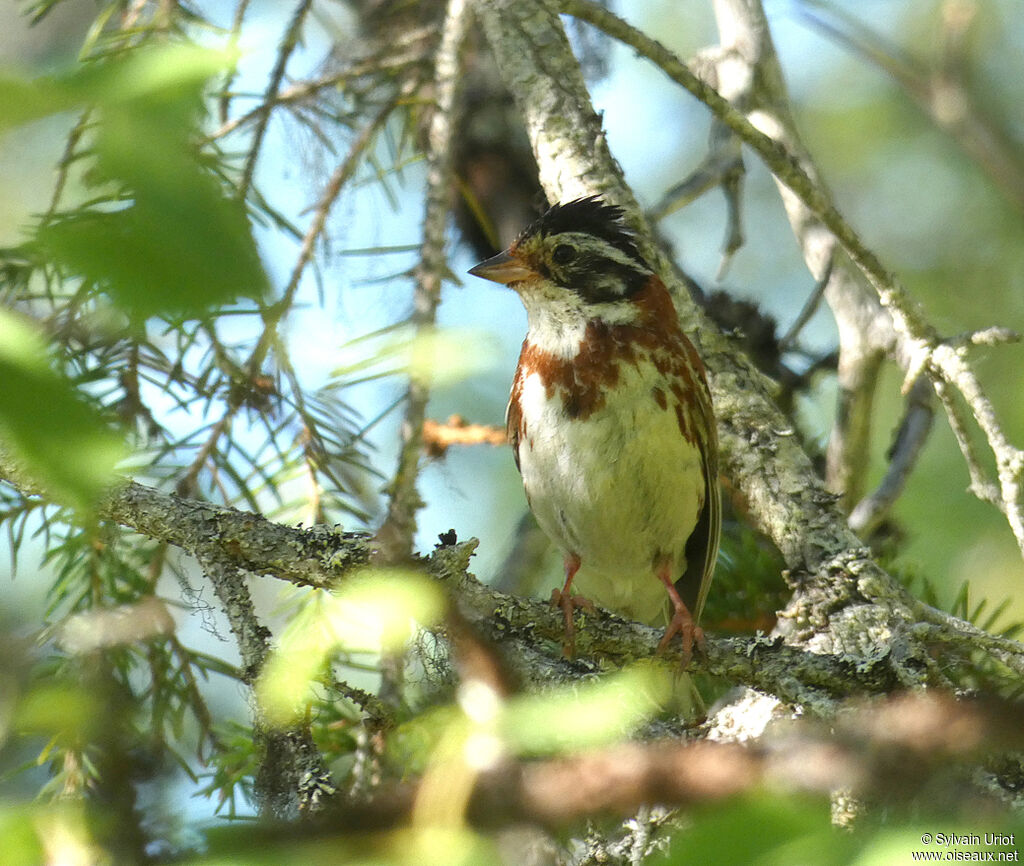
[(702, 546), (514, 417)]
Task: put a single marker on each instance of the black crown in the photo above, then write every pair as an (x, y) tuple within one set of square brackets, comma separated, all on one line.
[(589, 215)]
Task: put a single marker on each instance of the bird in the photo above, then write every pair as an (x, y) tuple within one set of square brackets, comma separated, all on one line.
[(611, 422)]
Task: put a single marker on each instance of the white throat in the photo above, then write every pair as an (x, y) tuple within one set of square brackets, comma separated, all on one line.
[(558, 319)]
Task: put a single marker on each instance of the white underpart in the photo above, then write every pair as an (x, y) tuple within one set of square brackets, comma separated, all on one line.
[(617, 488)]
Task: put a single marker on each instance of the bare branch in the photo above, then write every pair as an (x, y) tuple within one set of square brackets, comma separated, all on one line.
[(910, 439), (438, 437)]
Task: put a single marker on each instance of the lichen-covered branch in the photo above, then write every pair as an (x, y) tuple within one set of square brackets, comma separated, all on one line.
[(292, 779), (230, 543)]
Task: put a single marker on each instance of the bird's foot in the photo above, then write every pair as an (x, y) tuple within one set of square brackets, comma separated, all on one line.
[(690, 633), (568, 603)]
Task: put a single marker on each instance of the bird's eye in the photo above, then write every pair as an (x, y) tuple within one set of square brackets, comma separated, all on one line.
[(563, 254)]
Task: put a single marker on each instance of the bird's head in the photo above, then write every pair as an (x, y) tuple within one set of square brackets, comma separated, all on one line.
[(577, 261)]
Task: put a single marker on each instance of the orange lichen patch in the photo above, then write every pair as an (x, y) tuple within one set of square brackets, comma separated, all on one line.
[(438, 437)]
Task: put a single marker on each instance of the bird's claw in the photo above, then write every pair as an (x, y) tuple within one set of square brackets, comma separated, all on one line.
[(689, 632), (568, 603)]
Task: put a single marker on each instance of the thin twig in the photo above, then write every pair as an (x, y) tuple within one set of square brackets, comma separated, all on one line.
[(952, 367), (303, 90), (396, 534), (439, 437), (273, 314), (341, 175), (981, 487), (284, 52), (224, 100), (910, 438), (810, 307), (186, 484), (722, 167), (66, 160)]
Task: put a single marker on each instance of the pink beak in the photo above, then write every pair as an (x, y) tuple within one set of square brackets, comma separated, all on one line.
[(503, 268)]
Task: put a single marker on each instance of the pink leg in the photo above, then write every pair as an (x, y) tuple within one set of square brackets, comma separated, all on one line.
[(568, 602), (682, 621)]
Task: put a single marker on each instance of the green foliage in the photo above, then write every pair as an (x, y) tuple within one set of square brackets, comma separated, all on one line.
[(60, 438), (985, 674), (417, 846), (18, 829), (790, 829), (137, 311), (372, 613), (232, 768), (748, 588), (161, 234)]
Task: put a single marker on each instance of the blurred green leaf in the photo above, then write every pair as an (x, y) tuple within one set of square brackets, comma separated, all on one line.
[(58, 437), (183, 257), (23, 100), (169, 240), (763, 830), (62, 710), (21, 845), (372, 612), (146, 74), (444, 355), (787, 829), (416, 846), (597, 712)]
